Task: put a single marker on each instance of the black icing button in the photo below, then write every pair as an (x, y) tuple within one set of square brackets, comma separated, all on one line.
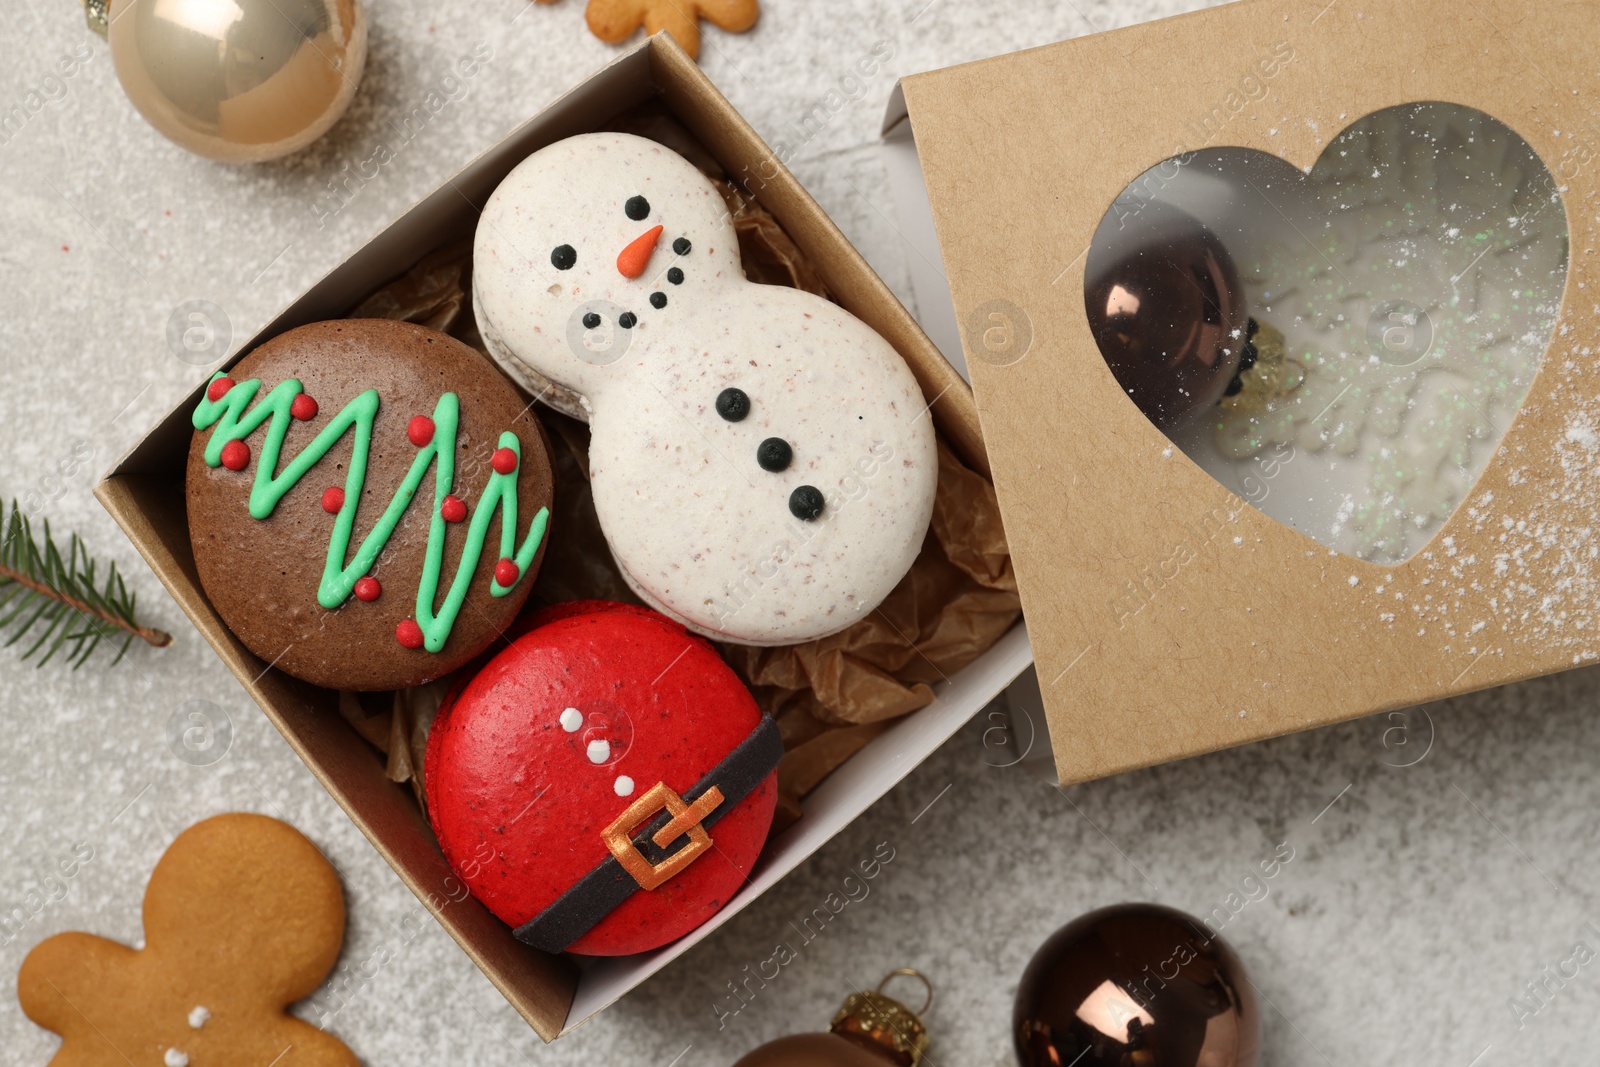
[(774, 454), (675, 276), (626, 320), (806, 502), (563, 257), (733, 404), (658, 300), (590, 321), (637, 207), (681, 246)]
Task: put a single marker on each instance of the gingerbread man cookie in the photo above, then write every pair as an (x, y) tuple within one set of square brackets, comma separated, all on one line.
[(614, 21), (242, 917)]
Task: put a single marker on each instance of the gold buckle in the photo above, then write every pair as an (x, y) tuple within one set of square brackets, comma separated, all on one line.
[(686, 821)]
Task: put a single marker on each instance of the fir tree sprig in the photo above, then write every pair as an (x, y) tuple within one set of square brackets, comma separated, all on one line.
[(56, 597)]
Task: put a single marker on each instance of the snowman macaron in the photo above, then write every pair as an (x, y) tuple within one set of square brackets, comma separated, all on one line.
[(763, 463)]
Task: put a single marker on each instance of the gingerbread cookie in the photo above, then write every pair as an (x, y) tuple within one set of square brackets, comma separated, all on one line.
[(367, 502), (605, 784), (242, 917), (614, 21), (763, 463)]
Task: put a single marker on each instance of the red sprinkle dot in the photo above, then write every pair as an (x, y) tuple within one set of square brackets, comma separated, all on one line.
[(218, 389), (506, 572), (420, 430), (453, 508), (368, 590), (332, 499), (236, 455), (504, 460), (409, 634), (303, 407)]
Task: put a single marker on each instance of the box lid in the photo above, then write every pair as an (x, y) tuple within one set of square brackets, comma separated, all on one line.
[(1168, 617)]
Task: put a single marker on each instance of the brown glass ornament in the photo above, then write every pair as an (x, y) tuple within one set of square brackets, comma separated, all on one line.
[(869, 1030), (1135, 984), (1166, 308)]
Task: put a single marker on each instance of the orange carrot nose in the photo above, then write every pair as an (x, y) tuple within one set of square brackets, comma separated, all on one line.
[(636, 256)]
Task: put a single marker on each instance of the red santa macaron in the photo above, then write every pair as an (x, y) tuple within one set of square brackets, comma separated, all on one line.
[(616, 772)]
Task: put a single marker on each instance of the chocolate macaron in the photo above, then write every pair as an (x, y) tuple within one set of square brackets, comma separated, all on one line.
[(367, 501)]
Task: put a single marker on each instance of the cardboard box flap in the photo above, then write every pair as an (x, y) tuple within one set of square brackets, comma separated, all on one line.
[(1168, 616)]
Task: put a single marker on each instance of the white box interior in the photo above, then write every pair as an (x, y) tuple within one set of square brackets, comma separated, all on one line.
[(936, 310)]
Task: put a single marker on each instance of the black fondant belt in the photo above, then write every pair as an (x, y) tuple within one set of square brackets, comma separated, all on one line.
[(665, 845)]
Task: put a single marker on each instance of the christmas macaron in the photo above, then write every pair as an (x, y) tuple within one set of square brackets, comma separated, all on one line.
[(605, 784), (367, 501), (763, 463)]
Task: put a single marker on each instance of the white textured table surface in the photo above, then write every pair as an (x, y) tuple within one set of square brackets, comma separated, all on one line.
[(1419, 902)]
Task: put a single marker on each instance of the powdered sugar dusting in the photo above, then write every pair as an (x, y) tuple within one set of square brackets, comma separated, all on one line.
[(1538, 584)]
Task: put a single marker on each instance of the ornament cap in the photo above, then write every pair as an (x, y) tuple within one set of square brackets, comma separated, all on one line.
[(885, 1025), (97, 13)]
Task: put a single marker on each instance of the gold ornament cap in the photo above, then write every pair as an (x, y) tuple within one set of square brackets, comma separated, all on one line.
[(885, 1025), (97, 13)]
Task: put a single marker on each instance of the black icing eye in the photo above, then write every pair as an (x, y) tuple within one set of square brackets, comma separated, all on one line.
[(774, 454), (658, 300), (675, 276), (733, 404), (681, 246), (806, 502), (637, 207), (590, 321), (626, 320), (563, 257)]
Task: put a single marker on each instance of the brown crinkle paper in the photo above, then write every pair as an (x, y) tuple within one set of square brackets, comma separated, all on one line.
[(830, 696)]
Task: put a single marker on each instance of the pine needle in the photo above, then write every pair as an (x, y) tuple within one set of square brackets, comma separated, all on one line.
[(55, 599)]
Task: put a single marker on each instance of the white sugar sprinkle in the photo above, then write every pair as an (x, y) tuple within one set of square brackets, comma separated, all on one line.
[(198, 1017), (571, 719), (624, 786), (599, 751), (1580, 434), (174, 1058)]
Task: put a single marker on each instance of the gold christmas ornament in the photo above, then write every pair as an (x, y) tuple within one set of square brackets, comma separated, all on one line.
[(869, 1030), (885, 1025), (238, 81)]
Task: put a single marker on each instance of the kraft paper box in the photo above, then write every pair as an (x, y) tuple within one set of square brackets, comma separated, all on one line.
[(144, 493), (1179, 603)]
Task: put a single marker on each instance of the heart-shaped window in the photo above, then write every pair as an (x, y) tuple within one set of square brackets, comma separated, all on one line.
[(1343, 349)]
